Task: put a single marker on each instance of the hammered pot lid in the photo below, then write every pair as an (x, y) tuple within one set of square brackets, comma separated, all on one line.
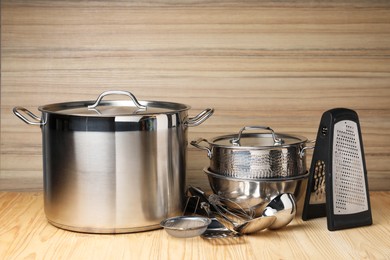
[(258, 140)]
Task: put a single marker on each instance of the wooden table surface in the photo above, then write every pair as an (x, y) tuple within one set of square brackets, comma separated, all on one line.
[(25, 234)]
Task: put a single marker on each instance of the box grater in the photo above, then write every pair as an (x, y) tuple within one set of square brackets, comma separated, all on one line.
[(337, 186)]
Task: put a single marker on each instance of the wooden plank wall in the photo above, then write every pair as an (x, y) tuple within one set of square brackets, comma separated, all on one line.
[(275, 63)]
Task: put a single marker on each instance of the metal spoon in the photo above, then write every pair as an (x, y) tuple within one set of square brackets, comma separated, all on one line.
[(283, 207)]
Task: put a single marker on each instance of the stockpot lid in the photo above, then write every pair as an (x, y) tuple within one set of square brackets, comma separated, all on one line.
[(257, 140), (112, 108)]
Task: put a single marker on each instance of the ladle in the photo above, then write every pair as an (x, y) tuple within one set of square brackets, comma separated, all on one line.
[(216, 229), (283, 207), (256, 224), (239, 223)]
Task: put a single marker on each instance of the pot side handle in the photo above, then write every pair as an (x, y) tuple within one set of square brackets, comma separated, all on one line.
[(196, 144), (37, 120), (303, 149), (200, 118)]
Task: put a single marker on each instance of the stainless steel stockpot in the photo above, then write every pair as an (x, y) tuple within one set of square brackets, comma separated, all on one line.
[(113, 166), (256, 155)]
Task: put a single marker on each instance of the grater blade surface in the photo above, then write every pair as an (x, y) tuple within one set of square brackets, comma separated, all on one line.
[(317, 196), (349, 189)]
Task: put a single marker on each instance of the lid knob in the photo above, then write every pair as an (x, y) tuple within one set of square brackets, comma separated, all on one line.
[(116, 92), (277, 141)]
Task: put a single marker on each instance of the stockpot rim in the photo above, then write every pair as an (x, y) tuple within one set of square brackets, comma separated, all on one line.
[(112, 109), (55, 108)]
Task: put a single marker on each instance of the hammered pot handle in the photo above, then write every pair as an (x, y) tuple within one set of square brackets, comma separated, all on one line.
[(116, 92), (196, 144), (200, 118), (37, 120), (303, 150), (277, 141)]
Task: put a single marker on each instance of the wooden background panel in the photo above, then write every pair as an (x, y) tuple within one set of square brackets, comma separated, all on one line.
[(272, 63)]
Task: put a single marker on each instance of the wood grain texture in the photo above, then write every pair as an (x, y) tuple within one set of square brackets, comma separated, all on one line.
[(276, 63), (25, 234)]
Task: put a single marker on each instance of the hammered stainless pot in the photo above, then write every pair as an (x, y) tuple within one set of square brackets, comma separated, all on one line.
[(256, 155), (113, 166)]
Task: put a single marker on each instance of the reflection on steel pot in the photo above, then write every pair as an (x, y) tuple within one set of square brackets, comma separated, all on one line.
[(256, 155), (113, 166), (254, 195)]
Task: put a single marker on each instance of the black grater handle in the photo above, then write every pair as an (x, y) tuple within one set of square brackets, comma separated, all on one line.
[(317, 209)]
